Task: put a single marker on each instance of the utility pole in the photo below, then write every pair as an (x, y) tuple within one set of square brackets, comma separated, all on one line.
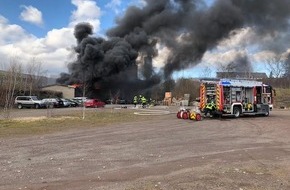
[(84, 94)]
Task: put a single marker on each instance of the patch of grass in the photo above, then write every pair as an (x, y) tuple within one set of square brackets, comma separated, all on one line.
[(282, 97), (33, 126)]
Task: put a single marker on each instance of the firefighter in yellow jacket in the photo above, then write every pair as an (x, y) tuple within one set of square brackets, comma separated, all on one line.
[(210, 107), (135, 101), (144, 102)]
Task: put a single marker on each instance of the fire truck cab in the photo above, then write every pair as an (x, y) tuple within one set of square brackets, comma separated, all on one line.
[(237, 97)]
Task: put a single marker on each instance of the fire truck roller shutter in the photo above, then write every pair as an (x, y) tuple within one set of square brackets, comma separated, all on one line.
[(219, 97), (202, 96)]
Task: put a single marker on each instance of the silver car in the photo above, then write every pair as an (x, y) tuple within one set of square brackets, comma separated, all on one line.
[(28, 102)]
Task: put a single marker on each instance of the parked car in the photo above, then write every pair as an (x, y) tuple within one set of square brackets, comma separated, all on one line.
[(116, 101), (80, 100), (73, 103), (109, 101), (53, 102), (66, 103), (50, 102), (28, 102), (94, 103), (60, 102), (121, 101), (69, 103)]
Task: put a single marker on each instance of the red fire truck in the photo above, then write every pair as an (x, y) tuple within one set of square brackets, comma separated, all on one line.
[(237, 97)]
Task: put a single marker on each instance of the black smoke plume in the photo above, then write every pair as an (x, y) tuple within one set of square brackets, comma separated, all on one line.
[(241, 64), (188, 28), (105, 68)]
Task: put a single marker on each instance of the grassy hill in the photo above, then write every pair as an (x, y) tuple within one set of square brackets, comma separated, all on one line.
[(282, 98)]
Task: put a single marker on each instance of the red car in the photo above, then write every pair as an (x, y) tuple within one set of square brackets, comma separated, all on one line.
[(94, 103)]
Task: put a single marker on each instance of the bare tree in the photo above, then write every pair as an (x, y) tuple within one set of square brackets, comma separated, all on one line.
[(276, 66), (34, 75), (287, 66), (226, 67), (206, 72), (186, 86), (14, 81), (11, 81)]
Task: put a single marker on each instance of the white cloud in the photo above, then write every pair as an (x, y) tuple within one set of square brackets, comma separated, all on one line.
[(138, 3), (115, 5), (32, 15), (10, 33), (54, 50), (56, 61), (87, 11), (60, 38)]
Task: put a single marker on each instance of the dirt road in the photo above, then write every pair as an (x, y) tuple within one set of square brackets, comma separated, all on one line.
[(163, 153)]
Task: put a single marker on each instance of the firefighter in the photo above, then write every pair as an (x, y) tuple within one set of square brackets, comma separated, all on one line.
[(135, 101), (143, 101), (152, 102), (210, 107), (249, 106), (140, 99)]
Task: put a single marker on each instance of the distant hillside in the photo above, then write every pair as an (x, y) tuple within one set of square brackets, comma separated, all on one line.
[(50, 81), (45, 81)]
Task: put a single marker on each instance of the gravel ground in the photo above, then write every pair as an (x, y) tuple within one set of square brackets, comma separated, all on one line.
[(162, 153)]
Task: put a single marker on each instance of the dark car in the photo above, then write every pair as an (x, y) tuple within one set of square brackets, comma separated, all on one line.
[(122, 101), (72, 103), (110, 101), (50, 102), (94, 103), (66, 103), (60, 102), (53, 102)]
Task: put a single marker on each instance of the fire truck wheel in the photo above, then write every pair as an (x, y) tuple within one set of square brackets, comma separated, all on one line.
[(237, 112)]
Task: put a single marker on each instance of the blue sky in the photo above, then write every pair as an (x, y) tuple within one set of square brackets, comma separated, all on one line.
[(57, 14), (46, 28), (42, 30), (52, 15)]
